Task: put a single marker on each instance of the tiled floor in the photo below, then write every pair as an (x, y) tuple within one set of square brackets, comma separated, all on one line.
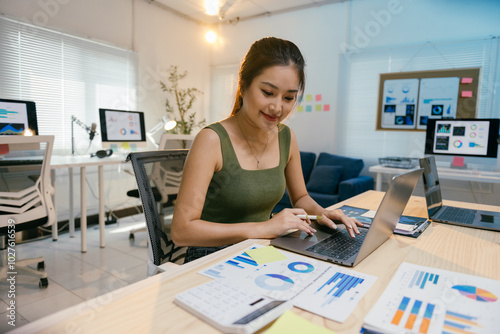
[(75, 276)]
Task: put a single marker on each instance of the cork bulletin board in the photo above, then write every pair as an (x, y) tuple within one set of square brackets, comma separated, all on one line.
[(408, 99)]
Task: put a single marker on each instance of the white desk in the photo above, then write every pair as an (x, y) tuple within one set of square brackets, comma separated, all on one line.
[(443, 172), (70, 162)]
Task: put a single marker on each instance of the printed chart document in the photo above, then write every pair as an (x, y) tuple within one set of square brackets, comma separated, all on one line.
[(315, 286), (427, 300)]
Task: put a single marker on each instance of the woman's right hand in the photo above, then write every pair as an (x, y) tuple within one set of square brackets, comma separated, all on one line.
[(286, 221)]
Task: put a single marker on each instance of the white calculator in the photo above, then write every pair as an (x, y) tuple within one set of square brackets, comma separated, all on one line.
[(231, 308)]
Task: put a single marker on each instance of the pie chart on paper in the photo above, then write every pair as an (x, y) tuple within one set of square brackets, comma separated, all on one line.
[(475, 293)]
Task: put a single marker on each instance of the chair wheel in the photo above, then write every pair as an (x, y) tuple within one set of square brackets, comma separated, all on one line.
[(131, 236), (40, 265), (44, 283)]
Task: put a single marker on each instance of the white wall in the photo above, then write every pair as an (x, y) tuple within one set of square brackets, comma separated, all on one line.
[(160, 39)]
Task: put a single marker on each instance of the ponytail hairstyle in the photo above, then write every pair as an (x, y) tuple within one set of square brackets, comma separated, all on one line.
[(264, 53)]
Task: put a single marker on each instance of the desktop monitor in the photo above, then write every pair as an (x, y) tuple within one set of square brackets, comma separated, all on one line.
[(122, 129), (462, 137), (18, 117)]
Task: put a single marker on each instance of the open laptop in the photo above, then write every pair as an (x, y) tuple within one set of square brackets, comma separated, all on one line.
[(337, 246), (487, 220)]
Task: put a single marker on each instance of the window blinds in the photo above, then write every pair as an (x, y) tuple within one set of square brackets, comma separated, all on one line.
[(65, 75)]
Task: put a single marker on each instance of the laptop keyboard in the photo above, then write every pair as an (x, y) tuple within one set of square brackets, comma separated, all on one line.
[(339, 245), (458, 215)]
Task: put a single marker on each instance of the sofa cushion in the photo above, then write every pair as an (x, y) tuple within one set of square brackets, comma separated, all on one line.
[(324, 179), (307, 160), (351, 167)]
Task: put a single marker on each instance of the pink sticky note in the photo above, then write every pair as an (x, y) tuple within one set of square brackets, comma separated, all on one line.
[(318, 97), (466, 80), (326, 107), (466, 93)]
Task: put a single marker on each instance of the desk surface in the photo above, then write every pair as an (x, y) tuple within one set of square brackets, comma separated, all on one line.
[(68, 161), (147, 306)]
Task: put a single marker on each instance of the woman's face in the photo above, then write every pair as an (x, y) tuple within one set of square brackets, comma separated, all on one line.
[(271, 96)]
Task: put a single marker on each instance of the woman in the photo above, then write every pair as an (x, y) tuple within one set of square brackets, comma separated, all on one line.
[(237, 169)]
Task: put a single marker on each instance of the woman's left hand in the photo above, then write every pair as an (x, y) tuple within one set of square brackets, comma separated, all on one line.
[(350, 223)]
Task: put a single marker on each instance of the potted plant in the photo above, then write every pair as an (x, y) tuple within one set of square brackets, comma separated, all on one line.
[(183, 101)]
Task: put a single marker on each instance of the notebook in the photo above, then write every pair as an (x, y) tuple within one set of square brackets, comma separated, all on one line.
[(337, 246), (487, 220)]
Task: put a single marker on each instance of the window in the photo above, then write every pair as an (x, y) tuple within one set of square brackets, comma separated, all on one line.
[(66, 76)]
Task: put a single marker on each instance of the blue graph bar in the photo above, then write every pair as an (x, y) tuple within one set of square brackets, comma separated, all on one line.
[(214, 273), (421, 278), (345, 283)]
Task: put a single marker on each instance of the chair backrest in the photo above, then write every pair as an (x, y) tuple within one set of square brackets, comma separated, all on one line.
[(175, 141), (146, 165), (25, 188)]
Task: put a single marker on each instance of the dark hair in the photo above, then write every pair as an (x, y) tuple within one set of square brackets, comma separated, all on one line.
[(264, 53)]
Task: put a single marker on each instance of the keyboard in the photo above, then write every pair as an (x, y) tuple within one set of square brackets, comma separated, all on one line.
[(459, 215), (339, 245)]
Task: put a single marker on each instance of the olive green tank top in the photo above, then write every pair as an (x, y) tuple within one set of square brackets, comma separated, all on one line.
[(237, 195)]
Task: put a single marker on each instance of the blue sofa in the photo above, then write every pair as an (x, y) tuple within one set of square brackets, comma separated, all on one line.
[(330, 179)]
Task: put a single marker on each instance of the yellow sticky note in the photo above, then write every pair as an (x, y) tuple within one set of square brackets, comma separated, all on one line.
[(291, 323), (318, 107), (126, 146), (300, 108), (308, 97), (266, 254)]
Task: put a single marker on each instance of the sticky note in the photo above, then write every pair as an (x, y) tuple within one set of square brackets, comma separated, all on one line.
[(326, 107), (319, 107), (291, 323), (318, 97), (466, 80), (300, 108), (309, 108), (4, 148), (466, 93), (126, 146), (265, 255), (308, 97)]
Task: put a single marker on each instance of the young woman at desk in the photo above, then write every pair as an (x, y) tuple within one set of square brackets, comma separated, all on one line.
[(237, 169)]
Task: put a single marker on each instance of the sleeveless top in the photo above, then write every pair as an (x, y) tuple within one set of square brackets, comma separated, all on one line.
[(237, 195)]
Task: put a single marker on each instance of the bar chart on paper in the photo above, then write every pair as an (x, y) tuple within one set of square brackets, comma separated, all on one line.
[(335, 293), (427, 300)]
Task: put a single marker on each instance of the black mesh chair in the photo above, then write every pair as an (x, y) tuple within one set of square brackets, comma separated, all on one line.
[(161, 170)]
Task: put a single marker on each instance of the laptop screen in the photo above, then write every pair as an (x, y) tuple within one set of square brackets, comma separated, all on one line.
[(432, 187)]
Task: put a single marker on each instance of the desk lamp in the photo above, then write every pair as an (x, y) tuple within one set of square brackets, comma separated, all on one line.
[(165, 124)]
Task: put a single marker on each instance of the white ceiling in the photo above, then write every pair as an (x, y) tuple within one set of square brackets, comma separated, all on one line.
[(235, 10)]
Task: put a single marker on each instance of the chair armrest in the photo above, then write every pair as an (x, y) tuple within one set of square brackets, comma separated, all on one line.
[(355, 186)]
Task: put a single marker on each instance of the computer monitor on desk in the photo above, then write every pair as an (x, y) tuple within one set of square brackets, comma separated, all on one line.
[(122, 130), (462, 138), (18, 118)]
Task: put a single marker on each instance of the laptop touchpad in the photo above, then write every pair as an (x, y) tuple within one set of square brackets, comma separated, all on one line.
[(490, 219)]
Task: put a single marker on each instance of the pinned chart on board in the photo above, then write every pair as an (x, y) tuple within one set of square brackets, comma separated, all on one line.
[(315, 286), (399, 103), (424, 300)]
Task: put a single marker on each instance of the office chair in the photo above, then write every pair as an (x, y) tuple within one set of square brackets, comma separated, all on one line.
[(167, 140), (25, 197), (163, 170)]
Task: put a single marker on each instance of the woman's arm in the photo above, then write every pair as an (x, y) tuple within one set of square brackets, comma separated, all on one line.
[(301, 199), (204, 159)]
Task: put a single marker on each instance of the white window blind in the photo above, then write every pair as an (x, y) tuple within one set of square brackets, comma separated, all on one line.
[(65, 75)]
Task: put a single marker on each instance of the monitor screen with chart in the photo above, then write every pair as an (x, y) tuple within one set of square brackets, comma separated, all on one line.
[(122, 129), (462, 137), (18, 118)]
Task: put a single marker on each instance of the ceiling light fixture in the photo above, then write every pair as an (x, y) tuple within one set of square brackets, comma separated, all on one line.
[(212, 7), (211, 36)]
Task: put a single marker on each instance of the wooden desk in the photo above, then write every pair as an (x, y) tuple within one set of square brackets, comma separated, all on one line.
[(147, 306)]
